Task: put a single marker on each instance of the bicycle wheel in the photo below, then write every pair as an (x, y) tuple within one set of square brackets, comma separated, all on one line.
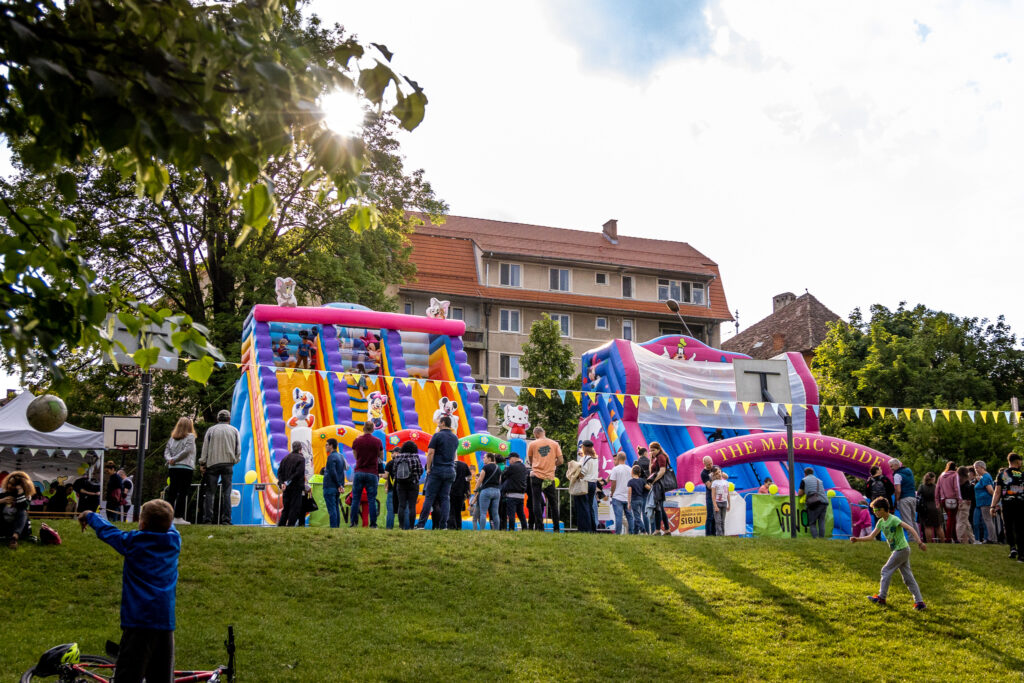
[(97, 665)]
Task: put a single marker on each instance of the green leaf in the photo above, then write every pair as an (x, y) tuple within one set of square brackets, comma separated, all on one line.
[(410, 110), (146, 357), (200, 370), (67, 185), (374, 81), (257, 205)]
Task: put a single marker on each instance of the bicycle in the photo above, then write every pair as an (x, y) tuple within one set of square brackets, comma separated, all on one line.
[(71, 666)]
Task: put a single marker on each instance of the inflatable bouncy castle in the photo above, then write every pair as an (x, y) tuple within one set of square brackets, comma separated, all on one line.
[(685, 399), (313, 373)]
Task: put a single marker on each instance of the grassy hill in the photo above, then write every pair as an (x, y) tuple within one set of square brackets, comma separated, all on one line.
[(312, 605)]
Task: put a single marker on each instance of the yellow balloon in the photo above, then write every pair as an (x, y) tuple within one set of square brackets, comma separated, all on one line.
[(773, 489), (689, 487), (732, 486), (831, 493), (250, 477), (556, 482)]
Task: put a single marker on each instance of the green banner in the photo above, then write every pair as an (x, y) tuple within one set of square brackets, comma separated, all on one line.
[(772, 518), (318, 517)]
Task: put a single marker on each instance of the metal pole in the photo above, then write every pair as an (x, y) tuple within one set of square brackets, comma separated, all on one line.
[(147, 379), (795, 516)]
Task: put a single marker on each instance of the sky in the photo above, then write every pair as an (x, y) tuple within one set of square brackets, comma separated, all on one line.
[(868, 152)]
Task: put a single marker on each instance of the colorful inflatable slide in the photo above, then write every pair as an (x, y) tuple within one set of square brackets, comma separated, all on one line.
[(686, 400), (397, 371)]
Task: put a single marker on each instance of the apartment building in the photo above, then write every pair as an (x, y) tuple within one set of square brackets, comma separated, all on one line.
[(598, 285)]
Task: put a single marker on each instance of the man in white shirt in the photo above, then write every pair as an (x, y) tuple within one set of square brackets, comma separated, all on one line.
[(619, 479)]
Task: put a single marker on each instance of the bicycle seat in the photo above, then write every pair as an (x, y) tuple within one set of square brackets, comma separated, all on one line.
[(53, 659)]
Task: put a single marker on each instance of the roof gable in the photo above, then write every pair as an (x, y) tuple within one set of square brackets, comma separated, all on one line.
[(800, 326)]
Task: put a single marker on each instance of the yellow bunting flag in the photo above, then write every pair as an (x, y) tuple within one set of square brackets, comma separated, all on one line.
[(945, 414), (869, 409), (501, 389), (920, 414), (592, 395), (664, 401), (789, 408), (984, 417), (760, 408), (703, 402), (576, 395), (678, 402), (437, 384), (716, 405), (746, 406), (829, 409), (288, 372), (959, 415), (635, 399), (532, 390), (906, 411), (484, 388), (547, 392)]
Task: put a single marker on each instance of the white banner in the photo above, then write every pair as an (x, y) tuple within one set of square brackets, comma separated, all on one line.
[(687, 513)]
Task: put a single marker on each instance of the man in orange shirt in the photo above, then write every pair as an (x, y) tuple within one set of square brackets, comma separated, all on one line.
[(543, 455)]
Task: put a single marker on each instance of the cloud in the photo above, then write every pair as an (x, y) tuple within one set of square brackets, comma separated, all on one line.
[(633, 37), (922, 30)]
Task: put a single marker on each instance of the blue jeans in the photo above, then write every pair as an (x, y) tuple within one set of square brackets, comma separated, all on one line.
[(438, 487), (620, 508), (592, 495), (333, 514), (391, 510), (488, 500), (360, 482), (639, 526)]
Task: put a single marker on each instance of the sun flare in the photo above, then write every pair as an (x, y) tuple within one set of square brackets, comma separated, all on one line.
[(343, 112)]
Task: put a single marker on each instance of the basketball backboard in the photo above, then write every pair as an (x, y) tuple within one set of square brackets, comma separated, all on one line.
[(122, 431), (748, 380)]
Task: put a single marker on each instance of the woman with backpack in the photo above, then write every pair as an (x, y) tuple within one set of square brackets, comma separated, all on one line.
[(662, 479), (947, 495), (405, 468)]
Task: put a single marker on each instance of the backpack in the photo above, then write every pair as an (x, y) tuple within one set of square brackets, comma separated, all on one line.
[(876, 490), (403, 472)]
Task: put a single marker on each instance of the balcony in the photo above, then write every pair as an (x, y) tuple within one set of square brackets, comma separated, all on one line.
[(474, 338)]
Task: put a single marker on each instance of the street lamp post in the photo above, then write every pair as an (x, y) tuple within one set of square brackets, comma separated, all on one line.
[(673, 306)]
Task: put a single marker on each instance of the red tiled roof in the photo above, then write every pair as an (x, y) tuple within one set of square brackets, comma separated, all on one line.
[(798, 326), (447, 266), (589, 246)]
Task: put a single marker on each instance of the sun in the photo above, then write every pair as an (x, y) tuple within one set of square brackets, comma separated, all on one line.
[(343, 112)]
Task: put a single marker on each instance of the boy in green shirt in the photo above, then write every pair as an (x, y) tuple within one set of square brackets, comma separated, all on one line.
[(893, 527)]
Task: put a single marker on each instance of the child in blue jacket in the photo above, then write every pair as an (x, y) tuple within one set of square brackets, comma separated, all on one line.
[(149, 582)]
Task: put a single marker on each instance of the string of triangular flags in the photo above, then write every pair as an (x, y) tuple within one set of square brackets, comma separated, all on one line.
[(64, 452), (716, 406)]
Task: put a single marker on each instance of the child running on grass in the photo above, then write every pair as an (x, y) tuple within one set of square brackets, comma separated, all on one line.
[(148, 585), (893, 527)]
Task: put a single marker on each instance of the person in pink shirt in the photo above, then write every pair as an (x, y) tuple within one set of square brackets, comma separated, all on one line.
[(947, 498)]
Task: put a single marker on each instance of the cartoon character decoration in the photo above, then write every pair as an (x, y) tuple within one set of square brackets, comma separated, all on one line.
[(375, 403), (285, 288), (371, 342), (446, 407), (438, 309), (301, 425), (517, 421)]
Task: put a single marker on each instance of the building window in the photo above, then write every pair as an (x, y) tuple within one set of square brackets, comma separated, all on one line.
[(697, 293), (683, 292), (559, 279), (601, 323), (627, 287), (510, 275), (408, 308), (699, 333), (627, 330), (457, 313), (665, 330), (600, 278), (508, 366), (562, 319), (508, 320)]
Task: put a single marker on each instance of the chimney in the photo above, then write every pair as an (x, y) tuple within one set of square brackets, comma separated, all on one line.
[(782, 300), (611, 230)]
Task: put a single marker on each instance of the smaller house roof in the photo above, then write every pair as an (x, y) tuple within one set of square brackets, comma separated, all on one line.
[(799, 326)]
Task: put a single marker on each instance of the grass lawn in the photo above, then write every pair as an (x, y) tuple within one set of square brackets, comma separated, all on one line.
[(331, 605)]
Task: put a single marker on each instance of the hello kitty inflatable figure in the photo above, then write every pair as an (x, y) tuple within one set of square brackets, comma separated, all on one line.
[(446, 407), (517, 421), (438, 309), (285, 288)]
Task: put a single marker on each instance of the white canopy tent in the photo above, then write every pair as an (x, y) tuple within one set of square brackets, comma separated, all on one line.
[(45, 456)]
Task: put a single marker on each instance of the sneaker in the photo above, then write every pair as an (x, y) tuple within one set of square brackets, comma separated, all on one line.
[(420, 527), (1013, 554), (178, 521), (920, 606), (877, 600)]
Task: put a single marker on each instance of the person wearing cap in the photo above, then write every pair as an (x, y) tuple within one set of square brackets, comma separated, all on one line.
[(513, 481), (222, 450), (905, 492)]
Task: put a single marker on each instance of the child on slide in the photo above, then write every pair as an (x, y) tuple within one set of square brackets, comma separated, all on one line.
[(899, 560)]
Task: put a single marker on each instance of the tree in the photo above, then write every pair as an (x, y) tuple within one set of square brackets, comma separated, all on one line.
[(920, 358), (547, 363), (216, 93)]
